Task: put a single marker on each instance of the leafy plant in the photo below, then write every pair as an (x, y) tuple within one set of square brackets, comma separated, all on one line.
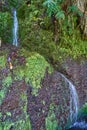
[(50, 121), (6, 82), (23, 97), (6, 125), (5, 26), (82, 114), (54, 7), (2, 95), (83, 110), (23, 124), (20, 124)]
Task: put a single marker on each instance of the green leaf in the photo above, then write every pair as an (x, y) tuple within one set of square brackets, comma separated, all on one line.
[(60, 15), (8, 113)]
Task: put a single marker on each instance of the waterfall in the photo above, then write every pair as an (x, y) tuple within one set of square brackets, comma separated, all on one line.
[(74, 102), (15, 28)]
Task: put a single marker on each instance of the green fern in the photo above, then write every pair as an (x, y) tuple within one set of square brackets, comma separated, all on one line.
[(54, 7)]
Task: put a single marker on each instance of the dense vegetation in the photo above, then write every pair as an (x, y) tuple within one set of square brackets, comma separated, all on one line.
[(52, 28)]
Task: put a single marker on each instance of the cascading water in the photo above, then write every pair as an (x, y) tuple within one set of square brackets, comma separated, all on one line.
[(15, 28), (79, 126), (74, 102)]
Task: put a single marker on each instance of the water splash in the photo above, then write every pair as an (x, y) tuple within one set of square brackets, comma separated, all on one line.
[(74, 102), (15, 28), (79, 125)]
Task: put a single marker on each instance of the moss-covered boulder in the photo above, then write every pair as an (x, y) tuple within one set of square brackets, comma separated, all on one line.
[(33, 96), (30, 92), (32, 71), (18, 70)]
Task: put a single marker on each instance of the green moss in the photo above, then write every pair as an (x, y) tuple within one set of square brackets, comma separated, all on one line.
[(18, 125), (6, 125), (50, 121), (23, 97), (83, 110), (2, 95), (33, 71), (2, 61), (6, 82), (23, 124)]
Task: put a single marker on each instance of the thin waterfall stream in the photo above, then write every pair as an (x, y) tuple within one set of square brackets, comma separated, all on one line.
[(15, 28), (74, 100)]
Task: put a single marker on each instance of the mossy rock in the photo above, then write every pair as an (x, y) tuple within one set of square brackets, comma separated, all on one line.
[(33, 70), (2, 61)]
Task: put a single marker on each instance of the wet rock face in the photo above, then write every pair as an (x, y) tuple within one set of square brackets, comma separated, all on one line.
[(77, 72)]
